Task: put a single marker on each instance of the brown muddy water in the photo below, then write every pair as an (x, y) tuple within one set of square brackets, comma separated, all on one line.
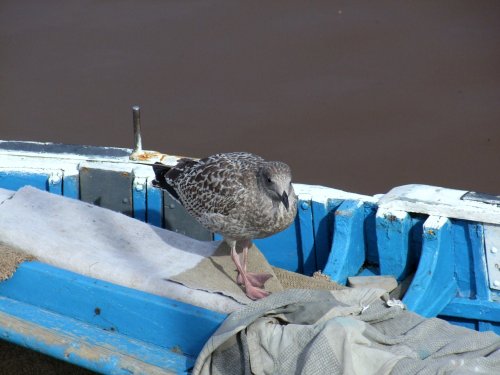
[(361, 96)]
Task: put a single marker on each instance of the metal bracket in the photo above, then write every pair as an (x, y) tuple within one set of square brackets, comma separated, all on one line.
[(481, 197), (492, 249), (107, 188)]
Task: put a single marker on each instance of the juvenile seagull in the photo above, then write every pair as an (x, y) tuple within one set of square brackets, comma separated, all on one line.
[(238, 195)]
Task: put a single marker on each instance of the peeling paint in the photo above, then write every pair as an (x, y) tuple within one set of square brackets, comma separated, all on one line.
[(78, 350), (177, 350), (150, 157), (343, 213)]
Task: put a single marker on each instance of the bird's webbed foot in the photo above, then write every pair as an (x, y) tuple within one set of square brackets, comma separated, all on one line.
[(255, 293), (255, 279)]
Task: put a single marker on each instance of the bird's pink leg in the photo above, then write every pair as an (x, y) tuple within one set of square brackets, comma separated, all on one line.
[(256, 279), (251, 291)]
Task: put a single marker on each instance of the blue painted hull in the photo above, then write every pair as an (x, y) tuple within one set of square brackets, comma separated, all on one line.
[(101, 326)]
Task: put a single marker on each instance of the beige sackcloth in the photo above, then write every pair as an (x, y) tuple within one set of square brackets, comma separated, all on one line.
[(10, 258), (215, 274)]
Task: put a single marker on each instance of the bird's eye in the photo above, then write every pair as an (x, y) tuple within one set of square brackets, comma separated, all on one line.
[(269, 179)]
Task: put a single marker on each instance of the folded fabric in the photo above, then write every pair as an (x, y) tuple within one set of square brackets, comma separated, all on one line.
[(350, 331)]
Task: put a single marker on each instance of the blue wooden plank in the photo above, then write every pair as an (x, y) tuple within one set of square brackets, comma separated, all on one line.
[(393, 242), (488, 326), (470, 262), (348, 250), (479, 269), (417, 228), (472, 309), (84, 345), (464, 271), (160, 321), (139, 191), (154, 205), (306, 235), (433, 285), (71, 185), (323, 218), (283, 249), (14, 180), (369, 227)]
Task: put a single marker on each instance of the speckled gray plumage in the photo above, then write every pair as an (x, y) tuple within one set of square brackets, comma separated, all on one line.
[(233, 194)]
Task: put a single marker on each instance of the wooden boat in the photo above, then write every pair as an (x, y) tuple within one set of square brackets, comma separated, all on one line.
[(443, 243)]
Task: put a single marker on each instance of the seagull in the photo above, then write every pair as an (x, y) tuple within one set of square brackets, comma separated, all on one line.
[(239, 195)]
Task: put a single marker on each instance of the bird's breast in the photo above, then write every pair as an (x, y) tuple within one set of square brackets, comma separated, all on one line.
[(270, 218)]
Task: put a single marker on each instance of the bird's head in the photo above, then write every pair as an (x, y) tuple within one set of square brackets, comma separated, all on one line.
[(275, 178)]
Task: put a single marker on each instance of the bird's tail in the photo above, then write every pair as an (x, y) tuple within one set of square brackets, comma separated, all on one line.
[(161, 181), (165, 176)]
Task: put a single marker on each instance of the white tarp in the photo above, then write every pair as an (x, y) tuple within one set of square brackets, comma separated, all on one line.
[(104, 244)]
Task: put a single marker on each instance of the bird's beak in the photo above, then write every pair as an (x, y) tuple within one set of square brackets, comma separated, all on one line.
[(284, 199)]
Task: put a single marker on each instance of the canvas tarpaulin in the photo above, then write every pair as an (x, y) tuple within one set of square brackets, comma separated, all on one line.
[(350, 331)]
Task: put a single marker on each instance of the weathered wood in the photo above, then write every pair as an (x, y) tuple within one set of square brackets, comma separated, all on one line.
[(83, 344), (160, 321), (14, 179), (472, 309), (71, 183), (348, 250), (323, 218), (393, 242), (139, 198), (306, 234), (434, 285), (283, 249), (434, 200), (154, 204)]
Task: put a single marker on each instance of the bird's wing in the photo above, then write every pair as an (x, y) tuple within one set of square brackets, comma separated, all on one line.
[(179, 169), (217, 184)]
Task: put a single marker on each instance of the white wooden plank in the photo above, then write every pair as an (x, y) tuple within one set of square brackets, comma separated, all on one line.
[(433, 200)]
